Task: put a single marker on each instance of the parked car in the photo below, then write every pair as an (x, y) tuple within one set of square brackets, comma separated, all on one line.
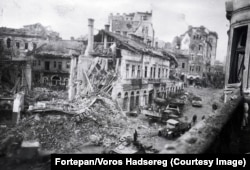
[(174, 108), (174, 128), (197, 102)]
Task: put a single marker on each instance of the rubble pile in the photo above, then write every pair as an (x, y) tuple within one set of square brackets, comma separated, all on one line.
[(45, 94), (95, 120)]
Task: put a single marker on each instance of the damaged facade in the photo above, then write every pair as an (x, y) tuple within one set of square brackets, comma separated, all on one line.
[(51, 63), (129, 71), (20, 67), (200, 45)]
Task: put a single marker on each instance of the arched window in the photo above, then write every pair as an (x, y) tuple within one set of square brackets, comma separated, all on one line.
[(55, 80), (137, 99), (119, 95), (45, 80)]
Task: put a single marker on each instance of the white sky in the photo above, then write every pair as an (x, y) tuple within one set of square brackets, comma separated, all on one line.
[(69, 17)]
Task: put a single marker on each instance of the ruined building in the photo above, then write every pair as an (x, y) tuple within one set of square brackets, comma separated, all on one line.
[(16, 48), (136, 25), (199, 44), (123, 68), (51, 63)]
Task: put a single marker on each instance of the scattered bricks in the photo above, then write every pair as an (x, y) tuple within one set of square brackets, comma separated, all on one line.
[(29, 149)]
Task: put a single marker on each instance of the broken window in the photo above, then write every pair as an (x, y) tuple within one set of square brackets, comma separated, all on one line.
[(127, 70), (139, 72), (26, 45), (133, 71), (238, 54), (59, 65), (146, 72), (55, 80), (132, 101), (137, 99), (200, 47), (145, 101), (183, 65), (8, 43), (154, 71), (17, 45), (47, 65), (68, 64), (151, 72), (159, 72), (125, 101)]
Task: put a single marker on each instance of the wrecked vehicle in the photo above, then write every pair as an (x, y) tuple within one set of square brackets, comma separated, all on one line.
[(152, 115), (174, 128), (174, 109)]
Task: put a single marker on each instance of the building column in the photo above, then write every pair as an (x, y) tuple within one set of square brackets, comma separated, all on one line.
[(28, 75), (72, 78)]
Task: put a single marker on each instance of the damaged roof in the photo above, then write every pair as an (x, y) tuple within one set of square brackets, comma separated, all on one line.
[(63, 48), (140, 47)]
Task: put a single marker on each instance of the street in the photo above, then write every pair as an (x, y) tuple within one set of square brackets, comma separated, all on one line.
[(209, 96)]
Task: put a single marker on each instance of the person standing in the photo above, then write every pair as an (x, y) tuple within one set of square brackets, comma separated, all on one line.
[(135, 136)]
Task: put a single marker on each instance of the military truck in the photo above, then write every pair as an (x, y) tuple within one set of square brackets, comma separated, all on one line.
[(174, 128)]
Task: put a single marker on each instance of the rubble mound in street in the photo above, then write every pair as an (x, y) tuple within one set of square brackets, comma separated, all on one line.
[(94, 120)]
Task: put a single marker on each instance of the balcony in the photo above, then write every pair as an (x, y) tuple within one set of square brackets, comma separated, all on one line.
[(219, 133), (153, 81), (136, 81)]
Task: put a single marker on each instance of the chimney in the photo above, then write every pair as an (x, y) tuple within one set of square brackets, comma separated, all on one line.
[(90, 36), (105, 37), (107, 27)]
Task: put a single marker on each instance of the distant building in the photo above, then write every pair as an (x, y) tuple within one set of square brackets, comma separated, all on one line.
[(200, 45), (136, 25), (183, 66)]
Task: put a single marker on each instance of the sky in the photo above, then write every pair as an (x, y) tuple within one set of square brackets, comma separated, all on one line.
[(69, 17)]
